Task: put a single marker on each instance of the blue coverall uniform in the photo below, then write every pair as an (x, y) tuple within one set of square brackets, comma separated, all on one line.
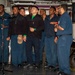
[(5, 19), (50, 46), (64, 43)]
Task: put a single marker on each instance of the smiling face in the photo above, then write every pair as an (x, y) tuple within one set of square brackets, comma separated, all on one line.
[(15, 10), (34, 10), (42, 12), (22, 12), (51, 11), (1, 9)]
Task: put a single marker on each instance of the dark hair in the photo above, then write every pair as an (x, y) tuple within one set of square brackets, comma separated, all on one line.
[(2, 5), (15, 6), (43, 10), (53, 7), (64, 6), (30, 6), (22, 8)]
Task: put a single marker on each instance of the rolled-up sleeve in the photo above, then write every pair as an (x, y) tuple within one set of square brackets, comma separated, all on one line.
[(63, 23)]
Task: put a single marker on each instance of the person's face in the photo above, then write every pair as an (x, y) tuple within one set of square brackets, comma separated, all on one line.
[(51, 11), (70, 14), (1, 9), (22, 12), (41, 12), (34, 10), (60, 10), (15, 10), (56, 12), (29, 10)]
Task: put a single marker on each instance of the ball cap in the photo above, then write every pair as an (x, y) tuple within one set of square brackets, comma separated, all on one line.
[(35, 7)]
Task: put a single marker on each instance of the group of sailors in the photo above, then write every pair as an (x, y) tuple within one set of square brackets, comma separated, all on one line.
[(32, 34)]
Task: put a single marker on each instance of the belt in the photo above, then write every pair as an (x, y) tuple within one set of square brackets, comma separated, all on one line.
[(64, 35)]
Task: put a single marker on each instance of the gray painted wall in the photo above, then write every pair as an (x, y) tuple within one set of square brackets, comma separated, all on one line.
[(3, 2)]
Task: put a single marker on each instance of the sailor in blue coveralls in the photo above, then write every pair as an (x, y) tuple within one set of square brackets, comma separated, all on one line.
[(64, 42), (42, 44), (50, 46), (4, 23)]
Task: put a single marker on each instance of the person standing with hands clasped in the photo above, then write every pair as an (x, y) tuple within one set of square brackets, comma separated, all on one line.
[(35, 27), (64, 33)]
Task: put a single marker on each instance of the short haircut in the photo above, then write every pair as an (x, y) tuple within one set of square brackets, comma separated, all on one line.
[(30, 6), (15, 6), (64, 6), (43, 10), (53, 7), (22, 8), (2, 5)]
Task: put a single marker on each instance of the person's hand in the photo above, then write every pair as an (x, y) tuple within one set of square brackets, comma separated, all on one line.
[(55, 29), (24, 38), (8, 38), (54, 23), (44, 16), (56, 39), (32, 29), (59, 27), (3, 26)]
